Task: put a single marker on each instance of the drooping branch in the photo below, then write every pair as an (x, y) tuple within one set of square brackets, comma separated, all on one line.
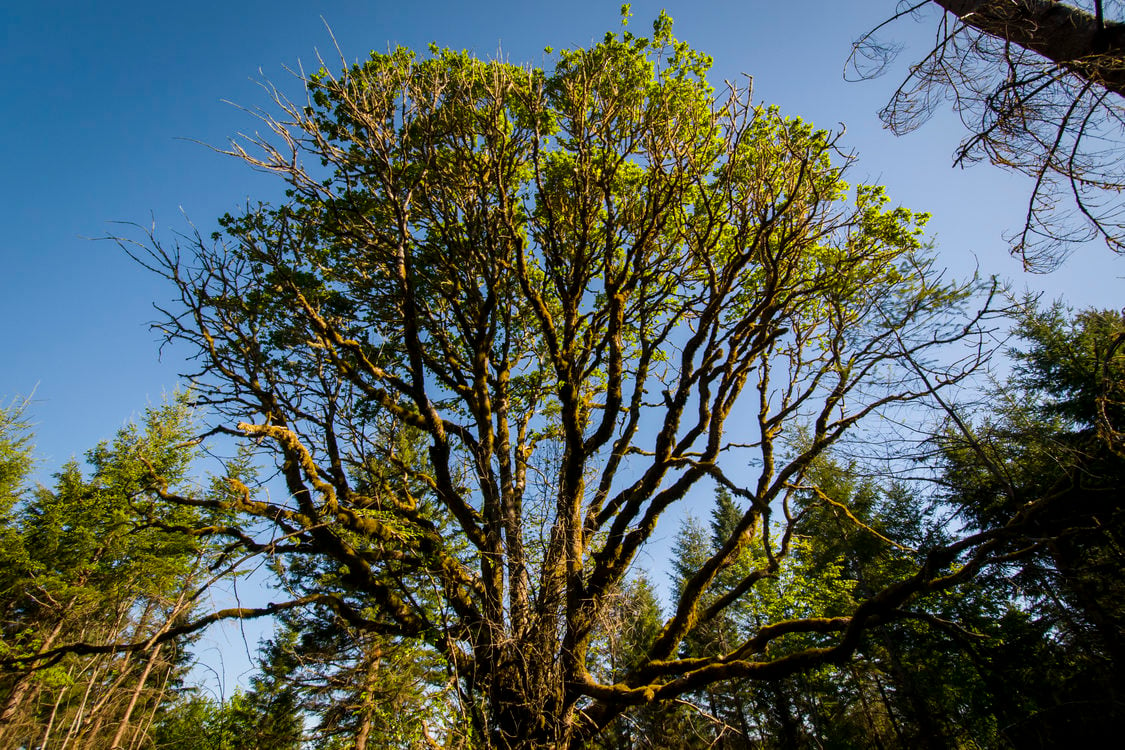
[(1038, 85)]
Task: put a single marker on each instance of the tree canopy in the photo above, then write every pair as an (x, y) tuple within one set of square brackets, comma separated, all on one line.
[(507, 317)]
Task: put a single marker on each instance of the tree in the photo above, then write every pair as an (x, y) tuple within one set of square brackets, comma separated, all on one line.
[(16, 463), (359, 689), (956, 668), (1056, 441), (1053, 444), (630, 622), (245, 721), (81, 563), (1039, 85), (746, 713), (914, 681), (506, 318)]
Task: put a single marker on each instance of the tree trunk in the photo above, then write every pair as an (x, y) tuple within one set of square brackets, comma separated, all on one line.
[(138, 740), (119, 735), (364, 731), (527, 713), (51, 719), (875, 731), (888, 706)]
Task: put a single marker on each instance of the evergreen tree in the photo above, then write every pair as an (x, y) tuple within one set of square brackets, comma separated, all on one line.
[(629, 626), (1052, 448), (90, 562)]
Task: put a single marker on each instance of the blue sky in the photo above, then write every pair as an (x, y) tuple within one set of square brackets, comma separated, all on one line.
[(106, 105)]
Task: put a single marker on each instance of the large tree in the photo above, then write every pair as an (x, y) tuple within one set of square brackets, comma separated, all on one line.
[(1039, 85), (506, 318)]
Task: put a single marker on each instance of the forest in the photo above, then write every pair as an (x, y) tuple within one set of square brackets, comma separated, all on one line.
[(597, 405)]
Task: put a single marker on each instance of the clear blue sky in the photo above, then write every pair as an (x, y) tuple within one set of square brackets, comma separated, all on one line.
[(104, 104)]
